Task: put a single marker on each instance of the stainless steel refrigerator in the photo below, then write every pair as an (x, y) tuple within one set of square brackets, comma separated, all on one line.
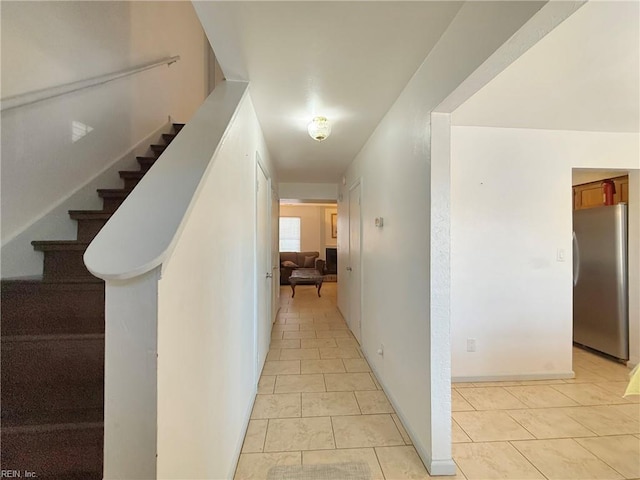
[(600, 288)]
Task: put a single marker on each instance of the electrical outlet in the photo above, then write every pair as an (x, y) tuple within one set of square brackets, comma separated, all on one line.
[(471, 344)]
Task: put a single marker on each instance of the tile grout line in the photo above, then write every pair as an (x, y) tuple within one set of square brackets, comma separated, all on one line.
[(358, 403), (521, 425), (510, 442), (602, 459), (461, 428), (333, 433), (459, 468), (264, 442), (595, 435), (522, 400), (375, 452), (466, 401)]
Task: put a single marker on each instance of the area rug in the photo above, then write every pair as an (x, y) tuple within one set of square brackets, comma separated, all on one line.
[(331, 471)]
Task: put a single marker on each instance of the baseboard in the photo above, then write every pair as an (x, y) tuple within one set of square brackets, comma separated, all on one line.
[(442, 467), (238, 449), (513, 377), (19, 259), (435, 467), (632, 362)]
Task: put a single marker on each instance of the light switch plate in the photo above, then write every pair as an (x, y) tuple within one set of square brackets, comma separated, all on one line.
[(471, 344)]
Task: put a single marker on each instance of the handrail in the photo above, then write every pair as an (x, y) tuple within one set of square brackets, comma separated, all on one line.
[(141, 234), (52, 92)]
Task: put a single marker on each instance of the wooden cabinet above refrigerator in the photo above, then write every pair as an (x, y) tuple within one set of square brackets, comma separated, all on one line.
[(589, 195)]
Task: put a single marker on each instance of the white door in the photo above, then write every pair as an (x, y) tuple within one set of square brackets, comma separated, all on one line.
[(354, 261), (263, 267)]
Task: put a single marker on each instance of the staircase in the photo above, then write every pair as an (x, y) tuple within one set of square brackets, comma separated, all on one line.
[(53, 352)]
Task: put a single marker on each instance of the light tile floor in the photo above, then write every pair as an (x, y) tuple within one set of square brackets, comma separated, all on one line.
[(319, 403)]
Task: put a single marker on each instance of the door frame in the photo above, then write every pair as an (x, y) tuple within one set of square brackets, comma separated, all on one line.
[(356, 183), (275, 241), (258, 275)]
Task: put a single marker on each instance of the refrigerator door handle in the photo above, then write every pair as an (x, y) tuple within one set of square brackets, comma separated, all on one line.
[(576, 260)]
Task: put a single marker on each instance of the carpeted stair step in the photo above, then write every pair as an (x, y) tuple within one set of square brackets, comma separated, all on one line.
[(33, 307), (51, 373), (112, 198), (131, 178), (60, 417), (63, 260), (146, 163), (52, 351), (90, 222), (69, 451), (158, 149), (168, 137)]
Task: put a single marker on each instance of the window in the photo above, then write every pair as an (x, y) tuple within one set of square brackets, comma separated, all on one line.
[(289, 234)]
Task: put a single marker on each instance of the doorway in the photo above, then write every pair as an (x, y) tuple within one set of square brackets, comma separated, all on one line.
[(605, 253), (308, 228), (275, 257)]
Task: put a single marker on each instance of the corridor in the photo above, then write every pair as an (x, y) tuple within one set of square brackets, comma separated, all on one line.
[(321, 414), (319, 404)]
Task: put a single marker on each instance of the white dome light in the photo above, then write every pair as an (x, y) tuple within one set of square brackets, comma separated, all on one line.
[(319, 128)]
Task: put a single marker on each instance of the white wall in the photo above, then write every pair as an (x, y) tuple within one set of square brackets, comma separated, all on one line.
[(130, 380), (511, 210), (308, 191), (329, 241), (45, 44), (206, 327), (581, 76), (139, 240), (394, 259), (19, 259), (395, 169), (315, 229)]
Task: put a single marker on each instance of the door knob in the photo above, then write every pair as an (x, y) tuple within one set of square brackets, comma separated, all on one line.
[(269, 275), (349, 269)]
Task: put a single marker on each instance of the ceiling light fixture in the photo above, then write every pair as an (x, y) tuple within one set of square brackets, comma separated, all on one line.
[(319, 128)]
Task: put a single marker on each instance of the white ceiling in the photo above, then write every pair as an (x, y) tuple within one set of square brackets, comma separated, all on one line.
[(348, 61), (584, 75)]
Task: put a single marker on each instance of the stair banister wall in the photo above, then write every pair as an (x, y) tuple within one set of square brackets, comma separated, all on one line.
[(178, 258), (156, 209), (207, 328), (55, 149)]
